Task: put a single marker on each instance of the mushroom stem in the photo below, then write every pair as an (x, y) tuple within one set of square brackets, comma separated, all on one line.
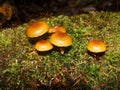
[(38, 56), (61, 50), (96, 57)]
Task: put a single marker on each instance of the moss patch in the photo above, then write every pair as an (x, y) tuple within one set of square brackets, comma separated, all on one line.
[(22, 67)]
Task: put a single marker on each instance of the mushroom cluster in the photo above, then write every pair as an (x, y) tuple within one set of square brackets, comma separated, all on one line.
[(57, 36)]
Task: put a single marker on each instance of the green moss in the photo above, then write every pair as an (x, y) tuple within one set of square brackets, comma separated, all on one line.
[(21, 67)]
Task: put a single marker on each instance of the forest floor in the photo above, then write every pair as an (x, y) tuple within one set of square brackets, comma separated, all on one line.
[(21, 67)]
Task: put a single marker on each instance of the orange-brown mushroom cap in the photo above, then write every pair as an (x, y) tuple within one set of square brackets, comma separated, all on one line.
[(37, 29), (96, 46), (43, 45), (54, 29), (61, 39)]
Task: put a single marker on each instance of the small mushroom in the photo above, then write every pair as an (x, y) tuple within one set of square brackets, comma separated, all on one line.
[(43, 45), (96, 47), (37, 29), (54, 29), (61, 40)]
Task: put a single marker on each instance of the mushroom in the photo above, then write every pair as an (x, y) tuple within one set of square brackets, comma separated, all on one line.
[(96, 47), (37, 29), (61, 40), (54, 29), (43, 45)]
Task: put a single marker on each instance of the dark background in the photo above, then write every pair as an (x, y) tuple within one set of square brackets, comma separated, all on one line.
[(25, 10)]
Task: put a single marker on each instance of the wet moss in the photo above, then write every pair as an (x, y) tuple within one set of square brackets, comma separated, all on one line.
[(22, 67)]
